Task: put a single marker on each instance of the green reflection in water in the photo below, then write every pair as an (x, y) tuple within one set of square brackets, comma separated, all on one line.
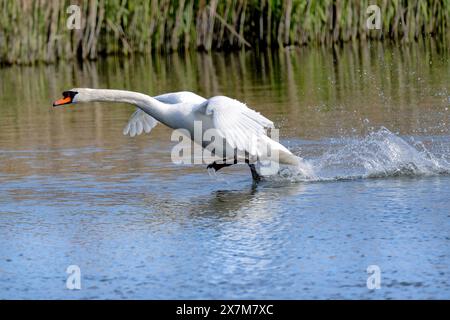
[(310, 92)]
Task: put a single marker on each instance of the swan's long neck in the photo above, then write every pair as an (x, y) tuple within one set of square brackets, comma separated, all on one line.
[(157, 109)]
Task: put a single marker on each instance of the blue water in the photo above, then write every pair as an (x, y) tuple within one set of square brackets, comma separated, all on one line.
[(371, 121), (199, 237)]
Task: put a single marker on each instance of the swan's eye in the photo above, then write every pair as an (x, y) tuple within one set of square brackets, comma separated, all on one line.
[(70, 94)]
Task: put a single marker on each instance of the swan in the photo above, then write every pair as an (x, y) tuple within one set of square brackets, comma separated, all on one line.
[(235, 123)]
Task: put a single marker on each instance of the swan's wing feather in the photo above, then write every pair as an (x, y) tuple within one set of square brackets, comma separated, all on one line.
[(237, 123), (142, 122), (139, 122), (180, 97)]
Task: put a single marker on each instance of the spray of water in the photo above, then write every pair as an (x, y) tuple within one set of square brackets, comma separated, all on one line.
[(380, 154)]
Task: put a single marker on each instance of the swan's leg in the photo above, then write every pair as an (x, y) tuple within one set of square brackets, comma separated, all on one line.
[(217, 166), (256, 177)]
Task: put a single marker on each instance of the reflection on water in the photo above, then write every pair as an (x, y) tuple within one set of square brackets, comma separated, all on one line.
[(74, 190)]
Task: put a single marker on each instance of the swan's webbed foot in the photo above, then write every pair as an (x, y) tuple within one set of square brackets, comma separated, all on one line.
[(217, 166)]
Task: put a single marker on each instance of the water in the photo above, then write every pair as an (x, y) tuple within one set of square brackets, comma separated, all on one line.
[(373, 122)]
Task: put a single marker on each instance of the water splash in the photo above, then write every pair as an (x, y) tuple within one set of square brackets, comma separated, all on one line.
[(380, 154)]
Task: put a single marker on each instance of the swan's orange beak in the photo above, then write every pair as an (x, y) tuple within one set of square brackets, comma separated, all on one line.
[(60, 102)]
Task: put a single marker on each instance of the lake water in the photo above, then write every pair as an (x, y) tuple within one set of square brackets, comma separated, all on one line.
[(373, 121)]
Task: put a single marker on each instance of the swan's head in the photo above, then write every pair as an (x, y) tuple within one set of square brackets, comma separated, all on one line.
[(75, 95)]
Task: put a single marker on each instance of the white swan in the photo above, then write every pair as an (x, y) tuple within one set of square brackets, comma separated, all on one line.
[(232, 120)]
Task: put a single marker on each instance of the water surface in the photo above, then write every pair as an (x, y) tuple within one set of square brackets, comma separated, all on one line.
[(373, 122)]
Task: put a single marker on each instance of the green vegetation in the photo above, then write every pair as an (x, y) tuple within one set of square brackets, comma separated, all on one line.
[(33, 31)]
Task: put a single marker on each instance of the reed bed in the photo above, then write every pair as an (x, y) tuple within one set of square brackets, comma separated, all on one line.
[(37, 30)]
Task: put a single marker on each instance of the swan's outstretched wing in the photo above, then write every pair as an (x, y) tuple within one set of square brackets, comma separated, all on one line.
[(142, 122), (139, 122), (235, 122), (180, 97)]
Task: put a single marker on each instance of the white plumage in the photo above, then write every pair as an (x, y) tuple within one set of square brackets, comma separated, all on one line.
[(243, 129), (142, 122)]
